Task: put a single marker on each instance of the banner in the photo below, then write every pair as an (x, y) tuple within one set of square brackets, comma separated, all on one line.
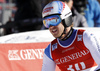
[(24, 51), (21, 57)]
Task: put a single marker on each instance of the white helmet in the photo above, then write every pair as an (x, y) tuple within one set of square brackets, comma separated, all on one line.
[(58, 8)]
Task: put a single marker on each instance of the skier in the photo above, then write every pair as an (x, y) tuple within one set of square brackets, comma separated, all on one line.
[(72, 49)]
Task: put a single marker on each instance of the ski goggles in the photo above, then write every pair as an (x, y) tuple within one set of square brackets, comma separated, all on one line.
[(53, 20)]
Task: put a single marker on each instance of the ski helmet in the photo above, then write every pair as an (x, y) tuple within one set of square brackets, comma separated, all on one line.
[(58, 8)]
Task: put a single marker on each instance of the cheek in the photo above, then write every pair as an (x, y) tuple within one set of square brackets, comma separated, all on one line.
[(50, 30), (61, 29)]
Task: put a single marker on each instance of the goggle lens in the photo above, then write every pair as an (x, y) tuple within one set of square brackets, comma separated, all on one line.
[(51, 21)]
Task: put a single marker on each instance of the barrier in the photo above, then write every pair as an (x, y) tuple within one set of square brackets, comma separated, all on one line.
[(24, 51), (21, 57)]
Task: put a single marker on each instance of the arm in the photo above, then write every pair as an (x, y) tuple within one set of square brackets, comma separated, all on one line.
[(91, 42), (48, 63)]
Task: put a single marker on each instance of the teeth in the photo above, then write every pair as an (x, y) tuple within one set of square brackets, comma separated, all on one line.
[(54, 30)]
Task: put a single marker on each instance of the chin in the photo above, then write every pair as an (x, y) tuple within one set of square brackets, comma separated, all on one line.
[(56, 36)]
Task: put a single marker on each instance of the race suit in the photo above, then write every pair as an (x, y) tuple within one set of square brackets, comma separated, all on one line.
[(80, 52)]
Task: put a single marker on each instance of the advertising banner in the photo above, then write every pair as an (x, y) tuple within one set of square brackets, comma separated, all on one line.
[(21, 56)]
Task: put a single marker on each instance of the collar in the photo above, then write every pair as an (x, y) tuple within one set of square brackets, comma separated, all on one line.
[(68, 35)]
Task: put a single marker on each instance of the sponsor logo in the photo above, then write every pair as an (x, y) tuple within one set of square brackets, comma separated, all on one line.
[(54, 46), (47, 9), (13, 55), (68, 49), (71, 57), (91, 34), (27, 54), (79, 38), (63, 5)]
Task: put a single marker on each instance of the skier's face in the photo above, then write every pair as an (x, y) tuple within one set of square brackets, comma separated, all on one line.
[(56, 31)]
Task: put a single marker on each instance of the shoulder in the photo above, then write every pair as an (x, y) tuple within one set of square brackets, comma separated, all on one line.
[(48, 49), (87, 34), (88, 37), (90, 40)]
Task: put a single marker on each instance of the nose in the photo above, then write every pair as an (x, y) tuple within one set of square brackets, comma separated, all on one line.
[(51, 26)]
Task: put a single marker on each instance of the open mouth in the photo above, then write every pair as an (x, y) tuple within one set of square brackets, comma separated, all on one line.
[(54, 30)]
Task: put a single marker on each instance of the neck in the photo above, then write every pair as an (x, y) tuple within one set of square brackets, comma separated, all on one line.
[(65, 35)]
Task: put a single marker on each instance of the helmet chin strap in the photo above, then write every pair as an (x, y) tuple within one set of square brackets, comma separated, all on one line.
[(67, 36), (64, 32)]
